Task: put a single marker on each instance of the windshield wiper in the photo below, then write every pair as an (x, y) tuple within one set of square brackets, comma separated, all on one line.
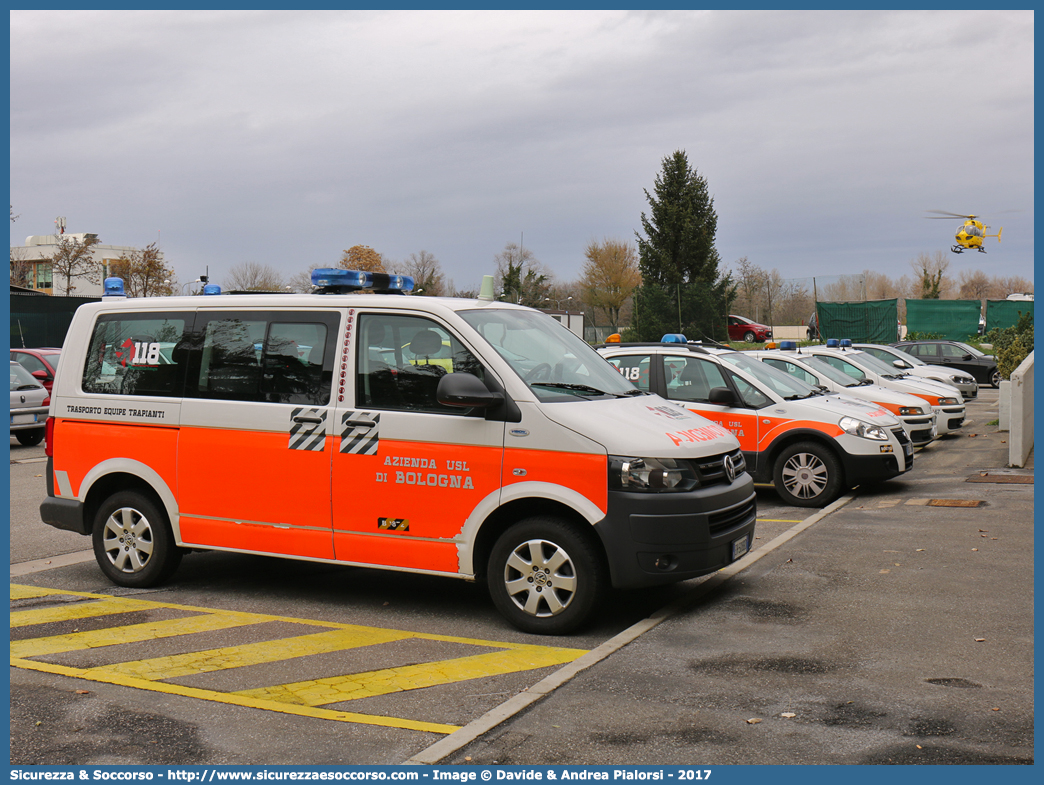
[(584, 388), (809, 394), (863, 382)]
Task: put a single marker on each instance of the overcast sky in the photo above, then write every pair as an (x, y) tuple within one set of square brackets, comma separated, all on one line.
[(285, 137)]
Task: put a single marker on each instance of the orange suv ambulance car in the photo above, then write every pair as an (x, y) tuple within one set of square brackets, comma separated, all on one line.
[(452, 437), (811, 445)]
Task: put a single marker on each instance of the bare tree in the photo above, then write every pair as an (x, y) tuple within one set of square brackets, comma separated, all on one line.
[(254, 277), (520, 276), (74, 258), (426, 271), (22, 269), (930, 269), (750, 280), (145, 274), (609, 277)]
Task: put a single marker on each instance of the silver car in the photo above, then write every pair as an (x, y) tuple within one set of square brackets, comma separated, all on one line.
[(954, 377), (29, 402)]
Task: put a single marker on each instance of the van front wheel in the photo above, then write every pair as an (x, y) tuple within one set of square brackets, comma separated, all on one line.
[(133, 543), (544, 577), (807, 474)]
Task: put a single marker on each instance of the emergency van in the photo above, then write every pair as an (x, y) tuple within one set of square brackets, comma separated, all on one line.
[(811, 445), (452, 437), (914, 413), (945, 400)]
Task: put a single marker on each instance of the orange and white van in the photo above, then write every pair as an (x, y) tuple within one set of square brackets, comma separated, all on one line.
[(453, 437), (811, 445)]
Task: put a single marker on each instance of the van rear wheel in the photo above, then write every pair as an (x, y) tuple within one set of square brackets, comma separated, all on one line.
[(545, 577), (807, 474), (133, 543)]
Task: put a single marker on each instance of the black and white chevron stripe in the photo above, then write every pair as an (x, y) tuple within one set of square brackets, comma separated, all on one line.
[(308, 435), (360, 439)]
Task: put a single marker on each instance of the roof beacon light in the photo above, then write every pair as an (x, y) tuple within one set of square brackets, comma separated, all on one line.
[(211, 288), (831, 343), (846, 343), (673, 338), (333, 280), (787, 346), (614, 338), (113, 287)]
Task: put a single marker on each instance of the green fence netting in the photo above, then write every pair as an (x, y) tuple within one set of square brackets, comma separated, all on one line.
[(1005, 313), (39, 320), (954, 320), (864, 321)]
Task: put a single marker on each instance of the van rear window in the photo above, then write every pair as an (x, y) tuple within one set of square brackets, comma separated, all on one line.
[(136, 354)]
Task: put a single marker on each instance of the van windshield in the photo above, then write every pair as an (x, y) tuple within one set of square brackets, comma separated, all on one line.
[(555, 363)]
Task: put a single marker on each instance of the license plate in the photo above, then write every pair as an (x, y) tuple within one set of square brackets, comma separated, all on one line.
[(740, 547), (22, 419)]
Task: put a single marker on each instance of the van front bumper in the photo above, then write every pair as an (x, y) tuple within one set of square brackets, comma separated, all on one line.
[(658, 538)]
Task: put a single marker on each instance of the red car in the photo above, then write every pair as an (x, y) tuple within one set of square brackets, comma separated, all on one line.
[(743, 329), (41, 363)]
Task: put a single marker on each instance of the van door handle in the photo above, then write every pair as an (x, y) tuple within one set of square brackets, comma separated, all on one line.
[(360, 423), (303, 418)]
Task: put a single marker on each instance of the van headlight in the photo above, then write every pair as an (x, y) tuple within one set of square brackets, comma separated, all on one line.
[(864, 429), (910, 411), (947, 401), (651, 475)]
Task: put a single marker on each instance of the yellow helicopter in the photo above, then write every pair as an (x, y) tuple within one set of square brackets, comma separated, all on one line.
[(970, 234)]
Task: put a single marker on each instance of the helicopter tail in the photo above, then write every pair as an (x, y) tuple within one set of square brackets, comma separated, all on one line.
[(999, 233)]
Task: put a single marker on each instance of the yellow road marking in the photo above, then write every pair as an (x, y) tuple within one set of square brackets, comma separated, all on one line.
[(335, 689), (98, 675), (302, 698), (253, 653), (132, 633), (84, 611), (778, 520)]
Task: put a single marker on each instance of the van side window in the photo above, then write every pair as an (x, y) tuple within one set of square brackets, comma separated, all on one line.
[(134, 354), (266, 357), (634, 368), (401, 359), (691, 378)]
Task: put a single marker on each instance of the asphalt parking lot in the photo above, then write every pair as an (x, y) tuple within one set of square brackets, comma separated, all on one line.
[(897, 629), (887, 629)]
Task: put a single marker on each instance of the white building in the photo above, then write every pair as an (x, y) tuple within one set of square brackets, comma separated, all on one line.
[(35, 259)]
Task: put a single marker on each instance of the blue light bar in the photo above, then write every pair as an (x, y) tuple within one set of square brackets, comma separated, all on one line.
[(113, 287), (211, 288), (788, 345), (334, 279), (831, 343), (846, 342), (673, 338)]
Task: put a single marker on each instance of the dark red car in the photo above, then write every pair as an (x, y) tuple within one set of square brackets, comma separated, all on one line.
[(743, 329), (41, 363)]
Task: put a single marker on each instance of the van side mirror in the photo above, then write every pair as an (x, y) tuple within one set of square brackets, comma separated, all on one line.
[(722, 395), (465, 390), (966, 357), (901, 364)]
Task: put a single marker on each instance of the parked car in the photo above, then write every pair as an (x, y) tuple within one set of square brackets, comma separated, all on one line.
[(955, 354), (945, 399), (41, 363), (813, 327), (914, 413), (29, 401), (907, 363), (743, 329), (811, 445)]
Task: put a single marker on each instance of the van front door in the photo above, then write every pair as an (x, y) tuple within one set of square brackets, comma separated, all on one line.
[(408, 472)]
